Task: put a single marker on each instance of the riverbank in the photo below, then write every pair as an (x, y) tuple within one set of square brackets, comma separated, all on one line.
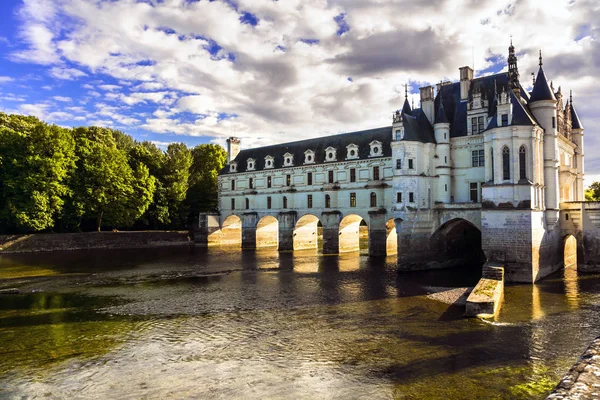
[(44, 242)]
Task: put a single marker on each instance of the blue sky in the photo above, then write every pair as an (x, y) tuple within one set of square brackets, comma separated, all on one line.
[(272, 71)]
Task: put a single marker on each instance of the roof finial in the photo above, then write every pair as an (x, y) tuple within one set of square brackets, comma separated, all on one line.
[(533, 77), (406, 90), (413, 102), (541, 63), (571, 96)]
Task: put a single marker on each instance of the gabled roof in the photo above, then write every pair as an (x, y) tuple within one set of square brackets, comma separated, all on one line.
[(541, 89), (318, 145)]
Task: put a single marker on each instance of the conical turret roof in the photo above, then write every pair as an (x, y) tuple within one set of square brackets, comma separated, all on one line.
[(575, 121), (541, 89), (406, 107)]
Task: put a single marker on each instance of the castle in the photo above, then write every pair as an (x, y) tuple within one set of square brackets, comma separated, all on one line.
[(482, 167)]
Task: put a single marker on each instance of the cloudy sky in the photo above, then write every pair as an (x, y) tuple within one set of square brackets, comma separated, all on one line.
[(271, 71)]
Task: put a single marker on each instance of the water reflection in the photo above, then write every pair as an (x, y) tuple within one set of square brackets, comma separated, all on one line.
[(240, 324), (572, 286)]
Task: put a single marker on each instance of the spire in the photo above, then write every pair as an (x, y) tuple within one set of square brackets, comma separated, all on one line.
[(513, 69), (406, 107), (541, 89), (541, 63), (575, 121), (440, 116)]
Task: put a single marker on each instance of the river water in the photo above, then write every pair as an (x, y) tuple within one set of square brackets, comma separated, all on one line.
[(223, 323)]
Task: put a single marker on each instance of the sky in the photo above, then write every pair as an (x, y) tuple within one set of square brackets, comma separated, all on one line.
[(270, 71)]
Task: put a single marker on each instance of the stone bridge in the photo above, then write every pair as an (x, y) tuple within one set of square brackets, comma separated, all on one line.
[(580, 228)]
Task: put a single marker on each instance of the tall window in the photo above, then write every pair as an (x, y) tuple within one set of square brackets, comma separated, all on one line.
[(268, 181), (327, 201), (233, 184), (353, 199), (288, 180), (473, 192), (309, 201), (477, 125), (477, 158), (399, 197), (309, 178), (373, 200), (233, 204), (522, 166), (284, 202), (411, 163), (399, 163), (375, 173), (250, 183), (330, 176), (505, 163), (269, 202), (352, 175), (247, 203), (411, 197), (504, 119)]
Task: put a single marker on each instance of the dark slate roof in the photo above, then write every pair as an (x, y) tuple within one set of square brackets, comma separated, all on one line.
[(521, 114), (575, 121), (440, 115), (417, 127), (318, 145), (406, 108), (541, 89)]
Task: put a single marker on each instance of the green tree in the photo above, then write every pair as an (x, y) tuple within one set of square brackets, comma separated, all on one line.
[(35, 162), (105, 187), (174, 180), (592, 193), (208, 160)]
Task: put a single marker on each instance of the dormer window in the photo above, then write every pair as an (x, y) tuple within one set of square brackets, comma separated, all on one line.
[(251, 164), (269, 162), (309, 157), (352, 152), (233, 166), (288, 160), (330, 154), (399, 133), (375, 149)]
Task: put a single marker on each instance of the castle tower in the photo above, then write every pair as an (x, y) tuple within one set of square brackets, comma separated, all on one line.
[(577, 137), (441, 129), (543, 106), (513, 70)]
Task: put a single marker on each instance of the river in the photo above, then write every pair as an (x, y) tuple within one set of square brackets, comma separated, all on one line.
[(184, 322)]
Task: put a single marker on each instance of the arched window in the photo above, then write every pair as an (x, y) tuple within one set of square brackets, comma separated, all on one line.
[(373, 200), (505, 163), (284, 202), (522, 165), (492, 162), (327, 201)]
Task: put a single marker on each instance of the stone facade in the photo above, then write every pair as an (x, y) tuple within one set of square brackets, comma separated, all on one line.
[(481, 164)]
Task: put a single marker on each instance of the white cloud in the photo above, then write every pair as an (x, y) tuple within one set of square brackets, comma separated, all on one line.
[(109, 88), (149, 86), (5, 79), (66, 73), (62, 99)]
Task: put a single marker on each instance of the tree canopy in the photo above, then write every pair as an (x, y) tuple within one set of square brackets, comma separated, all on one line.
[(60, 179)]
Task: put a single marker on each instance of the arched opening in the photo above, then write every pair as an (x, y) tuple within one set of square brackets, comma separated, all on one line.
[(230, 233), (505, 163), (391, 244), (267, 232), (307, 234), (522, 165), (353, 234), (458, 243), (570, 251)]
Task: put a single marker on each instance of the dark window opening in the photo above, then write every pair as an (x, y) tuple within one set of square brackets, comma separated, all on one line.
[(399, 197), (352, 175), (398, 164), (410, 163), (251, 183), (504, 119), (288, 180), (284, 202), (522, 166), (309, 201), (352, 199), (411, 197), (269, 202), (233, 204), (309, 178), (474, 192), (373, 200), (330, 176), (375, 173), (327, 201), (232, 184), (477, 158), (268, 181), (505, 163)]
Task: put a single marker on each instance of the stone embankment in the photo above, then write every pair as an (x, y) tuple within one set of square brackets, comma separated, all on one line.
[(90, 240), (582, 382)]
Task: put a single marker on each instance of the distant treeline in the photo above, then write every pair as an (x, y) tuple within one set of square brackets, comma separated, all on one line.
[(90, 178)]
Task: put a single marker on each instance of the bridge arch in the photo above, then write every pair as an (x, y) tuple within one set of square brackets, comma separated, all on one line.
[(391, 243), (353, 233), (307, 233), (267, 232), (231, 231), (457, 242), (570, 251)]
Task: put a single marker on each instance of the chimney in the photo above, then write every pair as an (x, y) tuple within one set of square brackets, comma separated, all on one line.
[(427, 102), (466, 76), (233, 148)]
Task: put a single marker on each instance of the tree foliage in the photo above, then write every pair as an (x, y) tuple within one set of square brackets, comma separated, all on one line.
[(54, 178), (592, 193)]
